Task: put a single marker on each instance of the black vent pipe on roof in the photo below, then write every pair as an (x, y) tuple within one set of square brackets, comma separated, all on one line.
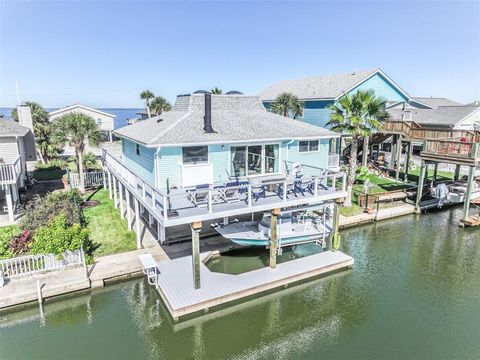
[(207, 119)]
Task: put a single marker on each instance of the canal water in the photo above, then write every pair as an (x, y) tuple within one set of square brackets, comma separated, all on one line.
[(413, 293)]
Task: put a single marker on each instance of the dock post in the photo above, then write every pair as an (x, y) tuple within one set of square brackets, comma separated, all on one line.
[(109, 185), (273, 237), (457, 172), (336, 234), (468, 193), (420, 187), (137, 224), (196, 228)]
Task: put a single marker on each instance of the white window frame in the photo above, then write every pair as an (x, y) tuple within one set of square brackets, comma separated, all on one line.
[(309, 151), (99, 121), (263, 144), (197, 163)]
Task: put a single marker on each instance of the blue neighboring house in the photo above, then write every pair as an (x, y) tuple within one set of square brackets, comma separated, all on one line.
[(207, 139), (319, 92)]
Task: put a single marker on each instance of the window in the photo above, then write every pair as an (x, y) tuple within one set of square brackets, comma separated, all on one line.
[(195, 154), (99, 121), (137, 149), (254, 159), (308, 146)]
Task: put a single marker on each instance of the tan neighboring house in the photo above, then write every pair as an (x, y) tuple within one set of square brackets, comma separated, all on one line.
[(104, 120), (17, 147)]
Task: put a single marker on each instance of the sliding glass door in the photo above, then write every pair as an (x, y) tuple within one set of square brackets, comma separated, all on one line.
[(254, 159)]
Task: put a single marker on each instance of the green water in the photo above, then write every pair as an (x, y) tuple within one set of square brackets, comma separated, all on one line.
[(414, 293)]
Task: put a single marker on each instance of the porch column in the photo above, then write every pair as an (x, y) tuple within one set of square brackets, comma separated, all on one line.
[(129, 209), (421, 180), (273, 237), (196, 228), (104, 178), (468, 193), (336, 233), (110, 137), (137, 224), (115, 193), (409, 157), (398, 155), (8, 198), (109, 185), (365, 150), (122, 208)]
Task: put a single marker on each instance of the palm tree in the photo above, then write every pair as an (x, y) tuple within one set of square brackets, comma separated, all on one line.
[(216, 91), (159, 105), (287, 103), (359, 116), (42, 130), (147, 95), (76, 129)]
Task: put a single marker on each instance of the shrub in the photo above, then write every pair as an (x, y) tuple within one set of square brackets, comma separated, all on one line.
[(6, 235), (20, 244), (55, 164), (58, 236), (41, 210)]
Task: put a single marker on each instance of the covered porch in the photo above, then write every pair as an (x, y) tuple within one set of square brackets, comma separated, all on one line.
[(9, 197)]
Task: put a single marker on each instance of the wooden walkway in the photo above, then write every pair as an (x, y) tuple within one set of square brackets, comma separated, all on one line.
[(175, 282)]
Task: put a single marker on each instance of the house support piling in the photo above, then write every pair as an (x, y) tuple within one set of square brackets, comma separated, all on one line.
[(196, 228), (421, 180), (109, 185), (468, 193), (122, 207), (138, 219), (336, 234), (115, 199)]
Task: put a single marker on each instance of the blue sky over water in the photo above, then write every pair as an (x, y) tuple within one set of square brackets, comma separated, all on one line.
[(103, 54)]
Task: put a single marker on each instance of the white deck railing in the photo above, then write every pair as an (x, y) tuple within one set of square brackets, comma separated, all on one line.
[(216, 194), (333, 160), (32, 264), (9, 173), (91, 179)]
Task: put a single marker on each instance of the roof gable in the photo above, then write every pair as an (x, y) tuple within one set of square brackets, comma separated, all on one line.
[(383, 86), (12, 128), (78, 106)]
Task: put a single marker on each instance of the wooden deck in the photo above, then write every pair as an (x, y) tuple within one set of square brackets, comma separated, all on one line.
[(175, 282)]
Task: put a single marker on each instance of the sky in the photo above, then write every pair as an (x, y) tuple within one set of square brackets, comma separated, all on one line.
[(103, 54)]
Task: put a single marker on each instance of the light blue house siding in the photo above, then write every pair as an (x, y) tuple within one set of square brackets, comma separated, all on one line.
[(317, 158), (142, 164), (316, 112), (169, 160)]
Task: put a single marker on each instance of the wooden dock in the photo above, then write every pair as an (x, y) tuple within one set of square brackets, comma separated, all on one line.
[(175, 282)]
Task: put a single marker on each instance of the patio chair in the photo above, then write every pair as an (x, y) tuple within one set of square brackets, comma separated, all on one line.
[(199, 196), (258, 191), (230, 194), (290, 182), (304, 184)]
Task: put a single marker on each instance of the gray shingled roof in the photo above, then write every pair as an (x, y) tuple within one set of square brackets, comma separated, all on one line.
[(437, 101), (442, 116), (317, 87), (11, 128), (235, 118)]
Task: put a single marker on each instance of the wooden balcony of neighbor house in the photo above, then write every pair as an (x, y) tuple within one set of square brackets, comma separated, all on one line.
[(411, 130), (451, 151), (10, 172), (183, 205)]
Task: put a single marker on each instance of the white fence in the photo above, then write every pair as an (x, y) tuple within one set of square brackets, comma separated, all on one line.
[(92, 179), (32, 264)]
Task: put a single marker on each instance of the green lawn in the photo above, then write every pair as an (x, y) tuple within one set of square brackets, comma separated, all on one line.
[(107, 229)]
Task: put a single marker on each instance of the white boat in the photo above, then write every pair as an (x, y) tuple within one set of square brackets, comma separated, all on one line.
[(454, 193), (292, 228)]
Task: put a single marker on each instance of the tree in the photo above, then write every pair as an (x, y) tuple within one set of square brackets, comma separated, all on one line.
[(42, 129), (147, 95), (359, 116), (216, 91), (76, 129), (159, 105), (286, 104)]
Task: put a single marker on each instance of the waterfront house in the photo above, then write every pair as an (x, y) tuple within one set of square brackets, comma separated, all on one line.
[(105, 121), (17, 146), (319, 92)]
